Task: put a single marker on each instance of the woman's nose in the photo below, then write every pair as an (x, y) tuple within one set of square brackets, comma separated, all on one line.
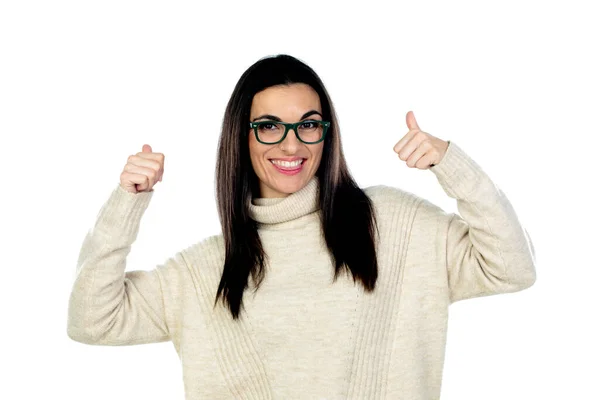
[(290, 143)]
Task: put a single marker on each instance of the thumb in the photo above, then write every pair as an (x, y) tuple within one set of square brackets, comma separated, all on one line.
[(146, 148), (411, 121)]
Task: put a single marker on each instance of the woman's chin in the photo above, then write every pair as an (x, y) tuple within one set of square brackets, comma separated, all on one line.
[(287, 185)]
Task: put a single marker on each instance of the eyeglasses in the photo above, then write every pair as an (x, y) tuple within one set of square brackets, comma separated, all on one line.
[(307, 131)]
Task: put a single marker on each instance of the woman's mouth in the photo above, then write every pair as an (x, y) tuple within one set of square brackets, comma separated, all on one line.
[(288, 167)]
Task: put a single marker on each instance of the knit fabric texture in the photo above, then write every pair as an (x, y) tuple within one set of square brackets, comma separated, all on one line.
[(302, 335)]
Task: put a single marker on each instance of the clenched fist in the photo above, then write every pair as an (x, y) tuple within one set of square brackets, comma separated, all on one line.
[(143, 170)]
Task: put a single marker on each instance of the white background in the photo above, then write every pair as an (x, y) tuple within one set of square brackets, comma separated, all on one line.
[(85, 84)]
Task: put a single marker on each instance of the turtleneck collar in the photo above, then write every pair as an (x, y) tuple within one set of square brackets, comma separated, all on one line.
[(283, 209)]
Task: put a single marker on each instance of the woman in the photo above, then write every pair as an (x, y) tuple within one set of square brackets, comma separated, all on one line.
[(316, 288)]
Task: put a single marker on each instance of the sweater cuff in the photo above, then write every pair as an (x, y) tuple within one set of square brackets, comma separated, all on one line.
[(122, 212), (457, 172)]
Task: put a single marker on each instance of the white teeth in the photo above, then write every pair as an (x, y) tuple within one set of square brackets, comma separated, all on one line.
[(287, 164)]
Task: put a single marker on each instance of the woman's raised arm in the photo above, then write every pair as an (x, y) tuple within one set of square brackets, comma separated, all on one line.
[(488, 250), (107, 305)]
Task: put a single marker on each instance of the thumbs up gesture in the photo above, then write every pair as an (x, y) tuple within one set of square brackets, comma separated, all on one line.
[(143, 170), (420, 149)]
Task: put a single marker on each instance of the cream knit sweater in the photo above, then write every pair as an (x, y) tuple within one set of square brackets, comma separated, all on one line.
[(302, 336)]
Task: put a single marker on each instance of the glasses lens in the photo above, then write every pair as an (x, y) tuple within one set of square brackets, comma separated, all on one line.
[(270, 132), (310, 131)]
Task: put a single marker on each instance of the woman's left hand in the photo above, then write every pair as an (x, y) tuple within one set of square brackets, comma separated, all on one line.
[(420, 149)]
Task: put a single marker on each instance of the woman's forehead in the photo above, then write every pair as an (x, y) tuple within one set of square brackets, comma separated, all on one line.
[(285, 101)]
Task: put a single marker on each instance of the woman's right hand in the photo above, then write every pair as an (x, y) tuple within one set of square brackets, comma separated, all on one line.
[(143, 170)]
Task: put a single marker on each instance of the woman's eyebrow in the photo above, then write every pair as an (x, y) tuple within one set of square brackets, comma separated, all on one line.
[(274, 118)]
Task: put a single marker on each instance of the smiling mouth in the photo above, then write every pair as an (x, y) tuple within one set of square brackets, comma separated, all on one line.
[(288, 165)]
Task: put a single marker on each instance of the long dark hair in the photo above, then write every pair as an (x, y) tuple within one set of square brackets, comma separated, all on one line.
[(347, 215)]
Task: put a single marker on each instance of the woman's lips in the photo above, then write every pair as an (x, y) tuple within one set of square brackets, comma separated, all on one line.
[(289, 170)]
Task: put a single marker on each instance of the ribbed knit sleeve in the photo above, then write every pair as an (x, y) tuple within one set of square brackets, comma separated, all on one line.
[(107, 305), (487, 250)]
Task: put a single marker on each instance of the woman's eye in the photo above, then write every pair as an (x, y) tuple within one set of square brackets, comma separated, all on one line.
[(266, 126), (308, 125)]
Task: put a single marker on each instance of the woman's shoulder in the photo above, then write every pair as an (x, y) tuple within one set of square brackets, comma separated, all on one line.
[(207, 251), (401, 209), (389, 196)]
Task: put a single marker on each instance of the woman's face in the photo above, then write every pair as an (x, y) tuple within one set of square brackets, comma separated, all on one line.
[(286, 103)]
